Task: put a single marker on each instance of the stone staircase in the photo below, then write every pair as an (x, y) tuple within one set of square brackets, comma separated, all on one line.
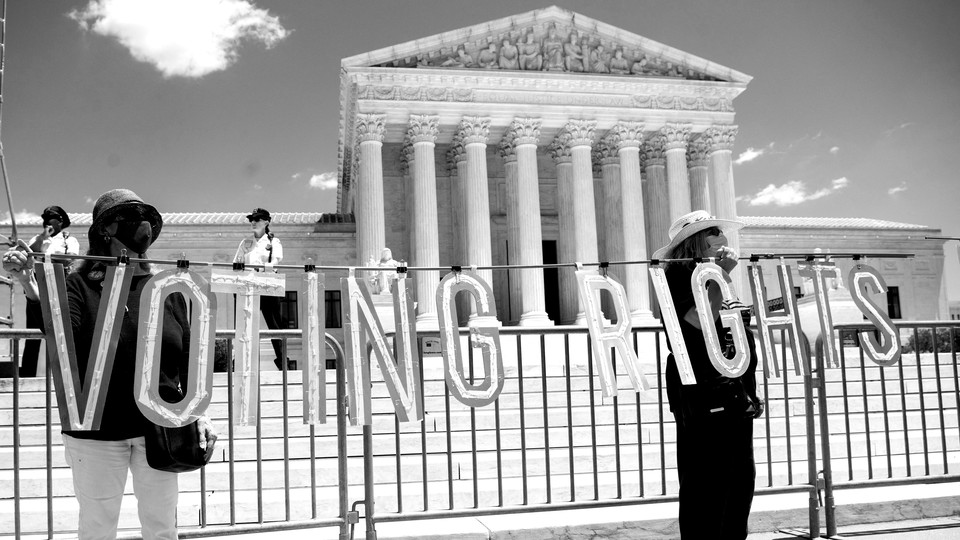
[(567, 442)]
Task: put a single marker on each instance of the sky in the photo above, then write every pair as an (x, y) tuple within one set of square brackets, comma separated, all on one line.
[(224, 105)]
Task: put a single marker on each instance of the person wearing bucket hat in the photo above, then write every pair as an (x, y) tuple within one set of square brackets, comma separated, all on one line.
[(100, 459), (714, 417), (265, 249), (53, 239)]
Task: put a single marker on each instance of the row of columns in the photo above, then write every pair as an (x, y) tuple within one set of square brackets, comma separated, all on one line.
[(637, 213)]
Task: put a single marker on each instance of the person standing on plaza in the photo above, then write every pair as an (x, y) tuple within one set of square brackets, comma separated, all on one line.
[(53, 239), (264, 248), (99, 459), (714, 417)]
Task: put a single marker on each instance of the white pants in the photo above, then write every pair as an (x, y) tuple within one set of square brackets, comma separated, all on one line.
[(99, 476)]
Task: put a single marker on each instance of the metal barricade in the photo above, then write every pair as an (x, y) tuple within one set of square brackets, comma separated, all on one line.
[(239, 491)]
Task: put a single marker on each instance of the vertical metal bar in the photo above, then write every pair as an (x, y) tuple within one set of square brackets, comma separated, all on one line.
[(423, 444), (523, 425), (203, 497), (866, 413), (546, 415), (313, 466), (48, 375), (786, 404), (593, 421), (286, 430), (903, 411), (368, 480), (616, 431), (473, 433), (828, 502), (449, 429), (496, 412), (640, 418), (886, 424), (769, 438), (813, 505), (230, 437), (15, 345), (259, 442), (956, 375), (342, 481), (923, 408), (943, 427), (396, 454), (569, 377), (846, 407), (663, 444)]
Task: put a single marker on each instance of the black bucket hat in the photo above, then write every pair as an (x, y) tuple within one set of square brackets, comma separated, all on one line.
[(55, 212), (115, 202)]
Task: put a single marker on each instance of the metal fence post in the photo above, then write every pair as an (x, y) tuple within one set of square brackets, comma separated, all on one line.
[(829, 508), (812, 477), (343, 495)]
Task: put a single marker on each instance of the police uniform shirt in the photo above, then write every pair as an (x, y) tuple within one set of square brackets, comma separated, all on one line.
[(260, 253)]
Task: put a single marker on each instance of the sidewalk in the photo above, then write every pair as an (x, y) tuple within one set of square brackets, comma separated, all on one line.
[(922, 511)]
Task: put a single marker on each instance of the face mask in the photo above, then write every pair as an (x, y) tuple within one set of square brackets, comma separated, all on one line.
[(136, 235)]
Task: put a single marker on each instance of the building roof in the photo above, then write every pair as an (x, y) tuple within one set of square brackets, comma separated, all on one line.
[(195, 218), (828, 223)]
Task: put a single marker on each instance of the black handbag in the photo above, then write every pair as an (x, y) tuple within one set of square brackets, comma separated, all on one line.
[(719, 396), (175, 449)]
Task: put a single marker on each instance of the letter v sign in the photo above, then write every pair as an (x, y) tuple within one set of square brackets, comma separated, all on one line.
[(81, 407)]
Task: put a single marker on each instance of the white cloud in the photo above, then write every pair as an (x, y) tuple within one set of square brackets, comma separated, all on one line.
[(792, 193), (835, 150), (90, 200), (182, 38), (897, 189), (749, 154), (257, 187), (327, 180), (893, 130)]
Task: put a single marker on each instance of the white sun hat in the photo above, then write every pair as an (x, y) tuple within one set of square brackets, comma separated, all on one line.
[(689, 224)]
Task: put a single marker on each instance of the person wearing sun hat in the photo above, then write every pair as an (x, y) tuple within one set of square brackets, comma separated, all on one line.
[(264, 248), (715, 462), (101, 459)]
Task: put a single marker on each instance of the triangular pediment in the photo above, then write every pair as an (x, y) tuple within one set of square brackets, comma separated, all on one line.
[(550, 39)]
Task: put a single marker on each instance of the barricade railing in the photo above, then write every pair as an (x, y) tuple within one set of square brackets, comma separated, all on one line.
[(894, 425), (551, 442), (252, 469)]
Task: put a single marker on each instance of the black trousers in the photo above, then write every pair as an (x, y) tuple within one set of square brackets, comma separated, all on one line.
[(717, 474), (270, 307), (31, 347)]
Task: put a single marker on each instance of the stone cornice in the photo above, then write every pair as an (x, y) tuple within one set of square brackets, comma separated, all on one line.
[(720, 138), (370, 127), (474, 129), (423, 128)]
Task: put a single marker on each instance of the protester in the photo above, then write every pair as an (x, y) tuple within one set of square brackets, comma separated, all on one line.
[(53, 239), (122, 225), (714, 417), (264, 248)]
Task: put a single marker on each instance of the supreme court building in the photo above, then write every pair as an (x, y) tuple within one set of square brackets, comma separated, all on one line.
[(551, 137)]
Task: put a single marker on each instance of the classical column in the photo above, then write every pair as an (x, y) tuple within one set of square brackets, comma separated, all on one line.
[(675, 137), (371, 234), (610, 219), (422, 133), (474, 131), (656, 203), (524, 134), (457, 158), (697, 159), (509, 155), (406, 161), (584, 210), (719, 141), (566, 252), (625, 138)]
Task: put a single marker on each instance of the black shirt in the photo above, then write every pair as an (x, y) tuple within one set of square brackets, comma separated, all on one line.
[(122, 418)]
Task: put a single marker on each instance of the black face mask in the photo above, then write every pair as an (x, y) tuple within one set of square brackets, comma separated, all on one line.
[(136, 235)]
